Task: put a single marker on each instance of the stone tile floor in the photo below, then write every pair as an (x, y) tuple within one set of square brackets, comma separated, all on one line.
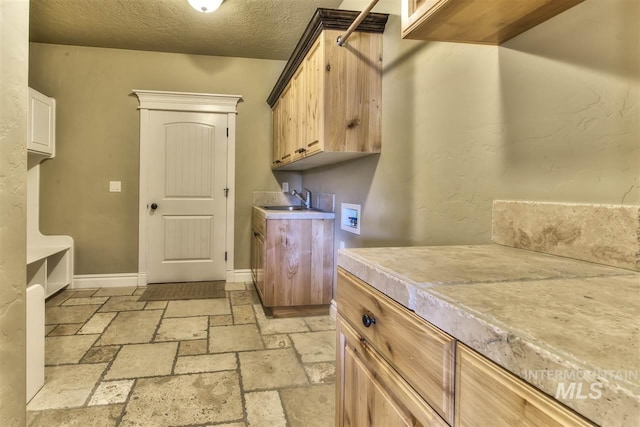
[(114, 361)]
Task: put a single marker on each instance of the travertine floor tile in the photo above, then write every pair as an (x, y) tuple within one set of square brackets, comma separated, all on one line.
[(310, 406), (276, 341), (244, 297), (67, 329), (206, 363), (264, 409), (279, 326), (66, 386), (182, 328), (223, 320), (82, 293), (202, 307), (94, 416), (85, 301), (59, 298), (315, 346), (48, 329), (110, 392), (321, 373), (131, 327), (270, 369), (112, 292), (321, 323), (223, 339), (67, 349), (191, 348), (97, 323), (156, 305), (123, 303), (162, 359), (185, 400), (69, 314), (143, 360), (243, 314), (100, 354), (234, 286)]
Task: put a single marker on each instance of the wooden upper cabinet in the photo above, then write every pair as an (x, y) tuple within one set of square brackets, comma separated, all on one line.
[(334, 93), (313, 87), (472, 21)]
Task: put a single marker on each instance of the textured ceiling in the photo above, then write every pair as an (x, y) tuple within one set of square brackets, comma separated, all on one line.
[(266, 29)]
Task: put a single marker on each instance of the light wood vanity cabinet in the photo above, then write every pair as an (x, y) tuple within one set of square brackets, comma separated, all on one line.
[(486, 394), (330, 95), (292, 264), (395, 368), (472, 21)]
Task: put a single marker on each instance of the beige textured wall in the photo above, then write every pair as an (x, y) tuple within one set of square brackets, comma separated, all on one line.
[(98, 141), (14, 36), (552, 115)]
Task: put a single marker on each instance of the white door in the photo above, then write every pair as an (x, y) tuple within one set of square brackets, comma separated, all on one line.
[(186, 223)]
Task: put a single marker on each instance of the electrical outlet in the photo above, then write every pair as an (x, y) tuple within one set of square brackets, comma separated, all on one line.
[(285, 187), (341, 244)]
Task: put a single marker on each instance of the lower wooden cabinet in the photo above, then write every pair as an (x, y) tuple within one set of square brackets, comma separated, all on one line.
[(396, 369), (487, 394), (370, 392), (292, 264)]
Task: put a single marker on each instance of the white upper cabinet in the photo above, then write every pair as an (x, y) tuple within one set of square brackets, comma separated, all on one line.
[(41, 132)]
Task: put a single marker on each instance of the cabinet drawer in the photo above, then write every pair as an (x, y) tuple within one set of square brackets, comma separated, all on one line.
[(487, 394), (371, 392), (422, 354), (258, 223)]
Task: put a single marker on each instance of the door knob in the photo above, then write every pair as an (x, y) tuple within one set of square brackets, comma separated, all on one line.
[(154, 206)]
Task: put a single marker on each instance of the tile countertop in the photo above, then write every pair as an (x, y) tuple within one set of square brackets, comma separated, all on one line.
[(301, 214), (547, 319)]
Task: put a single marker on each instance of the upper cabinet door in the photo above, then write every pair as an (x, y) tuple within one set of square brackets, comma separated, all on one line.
[(312, 97), (41, 131)]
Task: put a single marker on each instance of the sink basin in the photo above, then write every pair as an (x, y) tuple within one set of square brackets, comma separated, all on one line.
[(285, 208)]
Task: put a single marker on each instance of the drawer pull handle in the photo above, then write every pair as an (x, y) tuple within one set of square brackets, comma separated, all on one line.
[(368, 320)]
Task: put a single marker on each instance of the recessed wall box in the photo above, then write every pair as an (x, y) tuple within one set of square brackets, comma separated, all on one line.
[(350, 218)]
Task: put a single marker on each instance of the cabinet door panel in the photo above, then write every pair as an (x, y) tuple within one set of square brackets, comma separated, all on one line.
[(289, 259), (370, 392), (313, 96), (41, 130), (486, 394), (418, 351)]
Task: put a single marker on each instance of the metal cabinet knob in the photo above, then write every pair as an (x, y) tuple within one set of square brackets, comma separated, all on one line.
[(368, 320), (154, 206)]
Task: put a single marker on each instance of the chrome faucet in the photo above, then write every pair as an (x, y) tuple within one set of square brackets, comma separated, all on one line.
[(306, 200)]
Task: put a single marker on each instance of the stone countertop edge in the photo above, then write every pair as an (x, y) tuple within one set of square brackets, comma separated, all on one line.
[(396, 286), (504, 345), (303, 214), (520, 354)]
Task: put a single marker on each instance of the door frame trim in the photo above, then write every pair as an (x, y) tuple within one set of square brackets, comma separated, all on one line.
[(189, 102)]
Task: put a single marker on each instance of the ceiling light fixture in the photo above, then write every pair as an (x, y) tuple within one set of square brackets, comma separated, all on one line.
[(205, 6)]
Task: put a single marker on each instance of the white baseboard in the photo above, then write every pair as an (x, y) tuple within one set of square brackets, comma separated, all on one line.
[(333, 309), (90, 281), (142, 279), (85, 281), (237, 276)]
